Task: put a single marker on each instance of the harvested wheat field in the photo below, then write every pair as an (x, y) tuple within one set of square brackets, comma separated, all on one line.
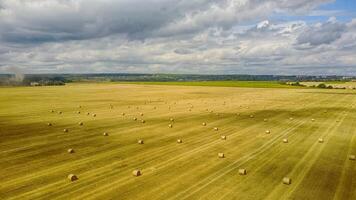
[(35, 163)]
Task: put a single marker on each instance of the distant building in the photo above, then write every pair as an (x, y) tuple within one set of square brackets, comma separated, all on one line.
[(35, 84), (347, 77)]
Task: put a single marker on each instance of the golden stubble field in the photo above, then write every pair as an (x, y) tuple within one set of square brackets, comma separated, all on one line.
[(318, 124)]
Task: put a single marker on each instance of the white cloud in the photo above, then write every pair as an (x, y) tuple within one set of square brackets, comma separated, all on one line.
[(319, 34), (201, 36)]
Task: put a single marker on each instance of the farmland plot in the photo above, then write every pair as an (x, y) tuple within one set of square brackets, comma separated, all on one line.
[(117, 141)]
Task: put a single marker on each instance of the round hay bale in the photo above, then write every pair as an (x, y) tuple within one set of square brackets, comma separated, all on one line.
[(123, 114), (105, 134), (143, 121), (216, 129), (287, 181), (242, 171), (70, 150), (251, 116), (204, 124), (285, 140), (140, 141), (52, 111), (141, 114), (320, 140), (223, 137), (135, 119), (136, 172), (49, 124), (94, 115), (179, 141), (171, 119), (60, 112), (221, 155), (80, 123), (65, 130), (352, 157), (268, 132), (78, 112), (72, 177), (88, 113), (170, 125)]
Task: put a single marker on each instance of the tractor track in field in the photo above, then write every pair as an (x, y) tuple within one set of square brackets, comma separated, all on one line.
[(311, 156), (187, 192), (133, 159), (175, 159), (340, 191), (104, 166), (166, 162)]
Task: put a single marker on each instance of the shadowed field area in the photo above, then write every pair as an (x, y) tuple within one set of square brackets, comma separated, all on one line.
[(35, 161)]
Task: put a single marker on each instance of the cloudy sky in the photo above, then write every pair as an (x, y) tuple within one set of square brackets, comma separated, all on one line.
[(179, 36)]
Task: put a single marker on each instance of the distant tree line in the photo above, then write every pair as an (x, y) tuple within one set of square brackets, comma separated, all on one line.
[(320, 85), (31, 80), (61, 79)]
